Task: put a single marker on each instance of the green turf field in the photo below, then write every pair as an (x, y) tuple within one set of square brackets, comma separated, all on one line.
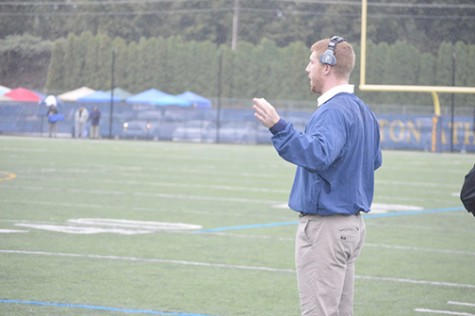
[(127, 227)]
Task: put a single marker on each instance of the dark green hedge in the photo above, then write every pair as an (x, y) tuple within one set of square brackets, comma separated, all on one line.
[(174, 65)]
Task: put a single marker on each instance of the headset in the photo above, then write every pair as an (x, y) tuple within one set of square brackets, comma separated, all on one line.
[(328, 57)]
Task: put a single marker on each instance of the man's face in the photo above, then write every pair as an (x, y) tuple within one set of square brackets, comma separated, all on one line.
[(315, 73)]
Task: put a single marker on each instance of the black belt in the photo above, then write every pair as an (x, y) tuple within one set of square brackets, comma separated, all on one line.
[(302, 214)]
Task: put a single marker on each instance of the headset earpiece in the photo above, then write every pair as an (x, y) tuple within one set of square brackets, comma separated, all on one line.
[(328, 57)]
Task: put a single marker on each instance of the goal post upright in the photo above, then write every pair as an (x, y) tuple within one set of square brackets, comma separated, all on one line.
[(433, 90)]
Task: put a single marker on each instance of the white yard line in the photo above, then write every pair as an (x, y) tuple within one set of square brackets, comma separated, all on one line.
[(195, 209), (206, 198), (419, 249), (148, 260), (393, 199), (461, 303), (169, 184), (420, 282), (157, 195), (290, 239), (441, 312), (225, 266)]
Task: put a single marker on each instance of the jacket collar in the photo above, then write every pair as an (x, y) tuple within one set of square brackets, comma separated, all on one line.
[(348, 88)]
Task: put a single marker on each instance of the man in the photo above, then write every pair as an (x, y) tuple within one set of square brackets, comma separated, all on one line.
[(80, 119), (95, 118), (336, 157)]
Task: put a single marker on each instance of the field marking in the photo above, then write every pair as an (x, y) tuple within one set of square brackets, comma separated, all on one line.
[(227, 266), (418, 184), (88, 226), (154, 194), (149, 260), (110, 222), (11, 231), (205, 198), (99, 308), (132, 171), (202, 198), (172, 175), (418, 249), (366, 244), (418, 282), (365, 216), (137, 209), (169, 184), (454, 228), (411, 199), (461, 303), (249, 226), (177, 228), (138, 229), (6, 176), (444, 312), (441, 312)]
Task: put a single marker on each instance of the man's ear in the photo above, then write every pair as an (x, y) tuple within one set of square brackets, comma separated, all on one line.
[(327, 69)]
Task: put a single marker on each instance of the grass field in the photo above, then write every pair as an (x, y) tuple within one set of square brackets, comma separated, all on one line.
[(127, 227)]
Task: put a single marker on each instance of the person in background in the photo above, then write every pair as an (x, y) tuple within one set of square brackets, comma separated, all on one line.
[(336, 157), (52, 114), (80, 119), (95, 119)]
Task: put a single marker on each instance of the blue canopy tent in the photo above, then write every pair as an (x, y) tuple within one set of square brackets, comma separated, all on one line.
[(157, 97), (121, 93), (197, 100), (99, 97)]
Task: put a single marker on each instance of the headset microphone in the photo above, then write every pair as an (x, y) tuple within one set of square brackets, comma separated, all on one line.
[(328, 57)]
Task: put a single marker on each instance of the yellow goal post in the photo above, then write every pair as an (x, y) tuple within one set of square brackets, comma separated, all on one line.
[(433, 90)]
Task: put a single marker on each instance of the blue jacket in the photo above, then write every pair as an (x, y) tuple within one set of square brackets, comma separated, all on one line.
[(336, 157)]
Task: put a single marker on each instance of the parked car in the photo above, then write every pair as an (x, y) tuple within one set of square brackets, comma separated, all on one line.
[(240, 132), (168, 123), (196, 131), (138, 130), (263, 135)]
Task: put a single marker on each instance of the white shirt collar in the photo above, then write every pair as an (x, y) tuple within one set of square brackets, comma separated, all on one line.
[(348, 88)]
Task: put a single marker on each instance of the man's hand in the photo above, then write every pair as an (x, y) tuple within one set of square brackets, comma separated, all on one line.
[(265, 112)]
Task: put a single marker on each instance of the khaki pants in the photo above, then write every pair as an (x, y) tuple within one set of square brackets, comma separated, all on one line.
[(95, 131), (326, 248)]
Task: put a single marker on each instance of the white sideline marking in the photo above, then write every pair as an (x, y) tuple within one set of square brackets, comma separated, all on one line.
[(136, 209), (405, 198), (366, 244), (418, 249), (189, 227), (203, 198), (160, 195), (461, 303), (10, 231), (441, 312), (422, 282), (224, 266), (162, 185), (150, 260)]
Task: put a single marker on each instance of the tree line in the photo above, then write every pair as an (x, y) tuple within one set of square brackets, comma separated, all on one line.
[(423, 23), (173, 45), (174, 65)]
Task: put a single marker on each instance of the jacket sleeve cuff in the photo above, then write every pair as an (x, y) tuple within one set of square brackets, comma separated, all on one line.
[(278, 127)]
